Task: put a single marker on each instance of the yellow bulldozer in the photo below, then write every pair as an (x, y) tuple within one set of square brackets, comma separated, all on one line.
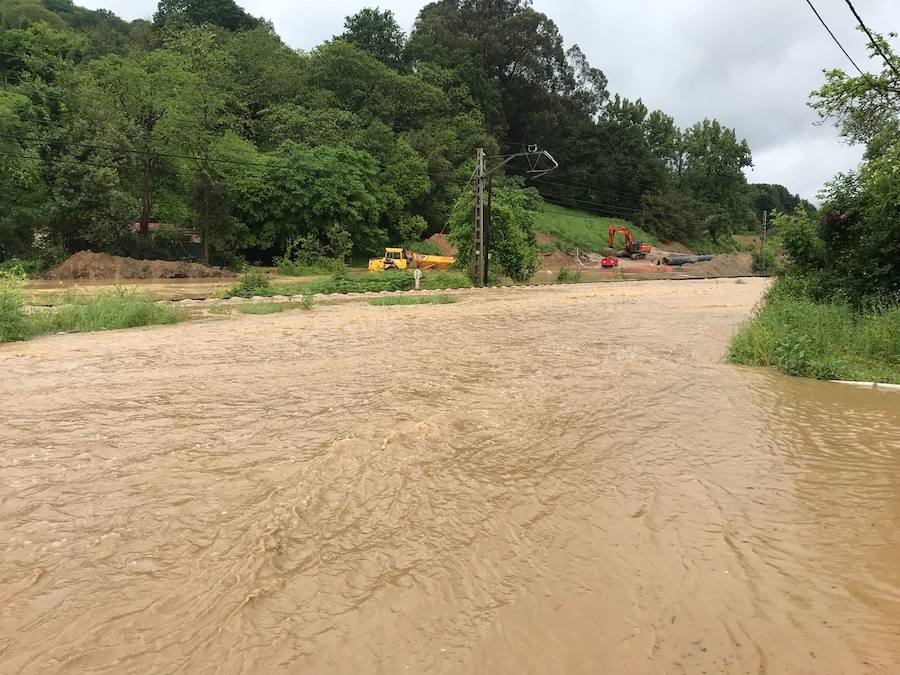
[(404, 259)]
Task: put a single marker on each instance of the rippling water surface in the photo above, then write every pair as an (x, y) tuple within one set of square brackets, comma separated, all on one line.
[(555, 480)]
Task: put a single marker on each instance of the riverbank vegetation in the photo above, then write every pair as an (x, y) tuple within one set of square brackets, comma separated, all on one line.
[(201, 134), (255, 283), (107, 310), (404, 300), (835, 313), (825, 340)]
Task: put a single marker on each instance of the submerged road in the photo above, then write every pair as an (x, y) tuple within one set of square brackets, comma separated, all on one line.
[(557, 480)]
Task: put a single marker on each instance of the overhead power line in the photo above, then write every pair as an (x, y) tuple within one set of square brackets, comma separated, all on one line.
[(590, 188), (598, 212), (57, 161), (877, 46), (589, 202), (834, 37)]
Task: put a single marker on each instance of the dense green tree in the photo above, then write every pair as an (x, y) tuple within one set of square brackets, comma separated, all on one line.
[(355, 81), (132, 87), (204, 113), (22, 13), (196, 119), (710, 170), (266, 71), (514, 213), (852, 247), (21, 179), (510, 56), (378, 33), (671, 216), (775, 198), (327, 195), (224, 13)]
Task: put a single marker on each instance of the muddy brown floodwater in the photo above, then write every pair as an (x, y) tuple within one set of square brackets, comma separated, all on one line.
[(553, 480)]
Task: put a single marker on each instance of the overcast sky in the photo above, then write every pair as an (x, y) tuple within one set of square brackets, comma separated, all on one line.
[(749, 64)]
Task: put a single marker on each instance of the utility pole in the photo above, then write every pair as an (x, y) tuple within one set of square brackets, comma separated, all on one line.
[(762, 253), (487, 229), (479, 218), (481, 255)]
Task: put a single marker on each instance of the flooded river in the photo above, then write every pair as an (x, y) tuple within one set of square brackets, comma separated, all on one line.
[(556, 480)]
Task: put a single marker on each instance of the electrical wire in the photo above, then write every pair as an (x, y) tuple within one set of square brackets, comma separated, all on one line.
[(834, 37), (590, 188), (48, 160), (602, 205), (615, 213), (877, 46)]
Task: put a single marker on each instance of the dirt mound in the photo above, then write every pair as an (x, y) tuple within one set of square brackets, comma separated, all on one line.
[(556, 259), (726, 265), (102, 266), (544, 239), (746, 240), (442, 243)]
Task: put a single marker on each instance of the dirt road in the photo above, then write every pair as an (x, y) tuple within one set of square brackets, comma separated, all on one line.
[(555, 480)]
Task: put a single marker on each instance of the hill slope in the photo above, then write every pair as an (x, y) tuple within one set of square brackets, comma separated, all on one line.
[(587, 231)]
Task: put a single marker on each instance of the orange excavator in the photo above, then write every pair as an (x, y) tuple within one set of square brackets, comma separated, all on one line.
[(636, 250)]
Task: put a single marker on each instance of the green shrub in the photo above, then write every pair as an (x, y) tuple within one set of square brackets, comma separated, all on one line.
[(763, 262), (109, 310), (13, 321), (513, 242), (824, 340), (393, 280), (253, 283), (30, 267), (670, 216), (321, 267), (566, 276)]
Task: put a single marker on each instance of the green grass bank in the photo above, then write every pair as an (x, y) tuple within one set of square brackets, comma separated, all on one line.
[(824, 340)]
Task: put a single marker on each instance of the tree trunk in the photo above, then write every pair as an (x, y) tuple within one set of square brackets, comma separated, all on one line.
[(204, 231), (146, 199)]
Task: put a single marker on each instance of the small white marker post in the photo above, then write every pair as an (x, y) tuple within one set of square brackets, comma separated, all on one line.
[(417, 275)]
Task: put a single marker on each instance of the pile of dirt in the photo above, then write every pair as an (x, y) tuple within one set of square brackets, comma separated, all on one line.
[(746, 240), (443, 243), (726, 265), (544, 239), (102, 266), (556, 259)]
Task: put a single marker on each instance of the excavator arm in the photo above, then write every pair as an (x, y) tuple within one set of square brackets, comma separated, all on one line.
[(624, 231), (633, 249)]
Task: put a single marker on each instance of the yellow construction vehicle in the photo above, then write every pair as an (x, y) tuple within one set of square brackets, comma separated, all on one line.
[(403, 259)]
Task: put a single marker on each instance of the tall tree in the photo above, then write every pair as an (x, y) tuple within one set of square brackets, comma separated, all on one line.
[(135, 88), (204, 113), (711, 164), (224, 13), (378, 33)]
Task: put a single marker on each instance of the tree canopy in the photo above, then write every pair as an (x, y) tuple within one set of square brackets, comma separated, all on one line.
[(205, 119)]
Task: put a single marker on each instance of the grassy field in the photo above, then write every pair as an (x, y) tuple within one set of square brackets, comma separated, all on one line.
[(107, 310), (254, 283), (828, 341), (414, 300), (263, 308), (579, 229)]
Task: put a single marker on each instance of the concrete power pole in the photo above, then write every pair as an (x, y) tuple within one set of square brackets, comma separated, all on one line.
[(762, 253), (479, 263)]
